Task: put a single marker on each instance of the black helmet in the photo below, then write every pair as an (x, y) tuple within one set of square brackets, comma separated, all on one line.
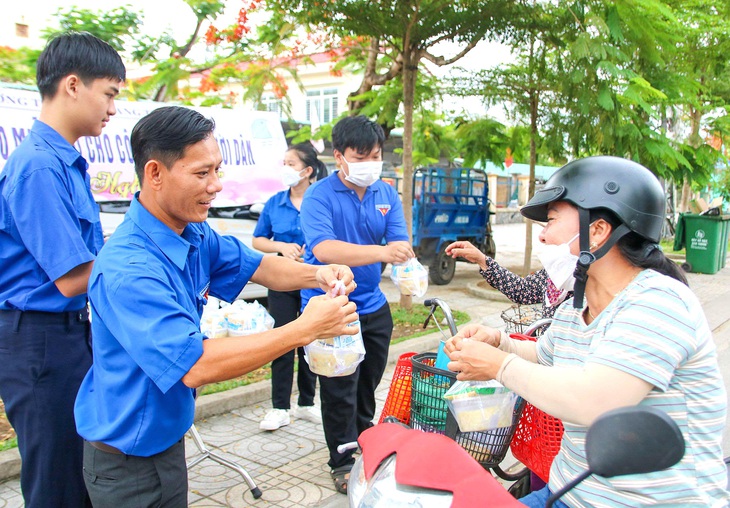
[(625, 187)]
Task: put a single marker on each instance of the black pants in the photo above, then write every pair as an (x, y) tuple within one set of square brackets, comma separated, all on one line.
[(348, 402), (126, 481), (284, 308), (43, 359)]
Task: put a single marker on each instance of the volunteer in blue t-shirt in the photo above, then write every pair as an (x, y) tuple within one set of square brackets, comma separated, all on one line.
[(345, 218), (147, 292), (49, 236), (279, 231)]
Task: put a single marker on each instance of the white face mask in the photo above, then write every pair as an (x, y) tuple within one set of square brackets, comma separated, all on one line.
[(291, 177), (559, 263), (363, 174)]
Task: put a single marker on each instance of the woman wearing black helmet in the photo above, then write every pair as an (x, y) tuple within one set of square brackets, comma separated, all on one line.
[(633, 334)]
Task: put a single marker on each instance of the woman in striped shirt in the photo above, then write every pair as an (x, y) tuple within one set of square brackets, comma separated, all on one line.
[(633, 334)]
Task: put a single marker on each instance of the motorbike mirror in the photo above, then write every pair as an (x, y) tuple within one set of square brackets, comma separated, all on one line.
[(633, 440)]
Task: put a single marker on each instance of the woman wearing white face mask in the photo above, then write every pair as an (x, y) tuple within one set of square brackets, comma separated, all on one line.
[(638, 337), (279, 230)]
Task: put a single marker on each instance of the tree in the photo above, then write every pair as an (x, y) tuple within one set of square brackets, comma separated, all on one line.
[(402, 34)]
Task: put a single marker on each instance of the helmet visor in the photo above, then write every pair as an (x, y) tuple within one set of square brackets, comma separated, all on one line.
[(536, 208)]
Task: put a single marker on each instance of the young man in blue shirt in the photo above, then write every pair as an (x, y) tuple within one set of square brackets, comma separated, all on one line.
[(49, 236), (345, 218), (147, 292)]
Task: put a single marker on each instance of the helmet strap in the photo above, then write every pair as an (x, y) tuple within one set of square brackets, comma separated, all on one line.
[(586, 257)]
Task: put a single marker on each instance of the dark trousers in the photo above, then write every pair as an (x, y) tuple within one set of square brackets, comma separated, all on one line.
[(348, 402), (125, 481), (44, 357), (284, 308)]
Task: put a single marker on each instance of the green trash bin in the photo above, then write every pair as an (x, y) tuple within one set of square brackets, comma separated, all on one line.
[(705, 239)]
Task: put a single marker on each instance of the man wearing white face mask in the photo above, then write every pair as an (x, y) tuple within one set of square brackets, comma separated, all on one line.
[(348, 216)]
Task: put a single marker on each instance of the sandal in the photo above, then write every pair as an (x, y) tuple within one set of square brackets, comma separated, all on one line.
[(341, 475)]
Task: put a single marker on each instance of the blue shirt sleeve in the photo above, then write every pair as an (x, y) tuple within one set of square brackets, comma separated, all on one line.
[(263, 226), (232, 264), (316, 217), (155, 330), (395, 229), (42, 208)]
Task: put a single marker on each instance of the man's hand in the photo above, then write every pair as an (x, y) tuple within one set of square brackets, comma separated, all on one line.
[(466, 250), (328, 277), (397, 252), (328, 317), (474, 360)]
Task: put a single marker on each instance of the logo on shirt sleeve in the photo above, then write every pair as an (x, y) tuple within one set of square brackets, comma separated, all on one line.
[(384, 209)]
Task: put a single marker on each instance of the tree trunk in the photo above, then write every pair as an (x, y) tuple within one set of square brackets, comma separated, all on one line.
[(410, 73), (534, 99)]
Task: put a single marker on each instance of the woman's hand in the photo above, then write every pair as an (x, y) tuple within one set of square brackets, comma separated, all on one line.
[(479, 333), (473, 360), (292, 251), (466, 250)]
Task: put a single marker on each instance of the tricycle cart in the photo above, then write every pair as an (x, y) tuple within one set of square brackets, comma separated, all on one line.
[(448, 205)]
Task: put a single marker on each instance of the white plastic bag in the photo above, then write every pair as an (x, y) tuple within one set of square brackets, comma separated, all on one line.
[(411, 278), (481, 405), (338, 356), (240, 318)]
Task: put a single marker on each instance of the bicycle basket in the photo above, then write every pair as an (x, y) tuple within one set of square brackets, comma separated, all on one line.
[(429, 384), (519, 317), (398, 401), (537, 440), (430, 413)]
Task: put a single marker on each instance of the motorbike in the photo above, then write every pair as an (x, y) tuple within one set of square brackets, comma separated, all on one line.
[(400, 466)]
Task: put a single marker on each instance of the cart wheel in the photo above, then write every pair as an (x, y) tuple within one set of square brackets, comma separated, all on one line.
[(442, 269), (686, 267)]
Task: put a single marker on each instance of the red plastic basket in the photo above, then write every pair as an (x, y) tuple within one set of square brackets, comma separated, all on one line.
[(398, 401), (537, 439)]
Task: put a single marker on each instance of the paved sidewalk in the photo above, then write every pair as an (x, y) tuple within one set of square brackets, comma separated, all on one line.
[(289, 465)]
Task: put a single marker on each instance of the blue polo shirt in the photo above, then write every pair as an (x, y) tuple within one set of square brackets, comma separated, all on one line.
[(49, 222), (147, 291), (331, 211), (279, 220)]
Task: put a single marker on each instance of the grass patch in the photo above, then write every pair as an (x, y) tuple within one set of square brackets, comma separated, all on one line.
[(8, 444)]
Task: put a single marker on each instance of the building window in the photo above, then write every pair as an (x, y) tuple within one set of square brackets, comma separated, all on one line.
[(324, 103), (21, 30), (271, 104)]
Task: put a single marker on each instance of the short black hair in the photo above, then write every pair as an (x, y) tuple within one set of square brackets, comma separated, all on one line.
[(76, 53), (358, 133), (165, 133)]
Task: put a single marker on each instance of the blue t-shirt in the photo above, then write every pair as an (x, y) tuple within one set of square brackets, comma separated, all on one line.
[(280, 220), (49, 222), (331, 211), (147, 291)]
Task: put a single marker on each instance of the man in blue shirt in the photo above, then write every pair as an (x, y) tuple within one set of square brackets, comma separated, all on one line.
[(147, 292), (345, 219), (49, 236)]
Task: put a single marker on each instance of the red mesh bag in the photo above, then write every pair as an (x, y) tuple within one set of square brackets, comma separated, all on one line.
[(398, 401), (537, 439)]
